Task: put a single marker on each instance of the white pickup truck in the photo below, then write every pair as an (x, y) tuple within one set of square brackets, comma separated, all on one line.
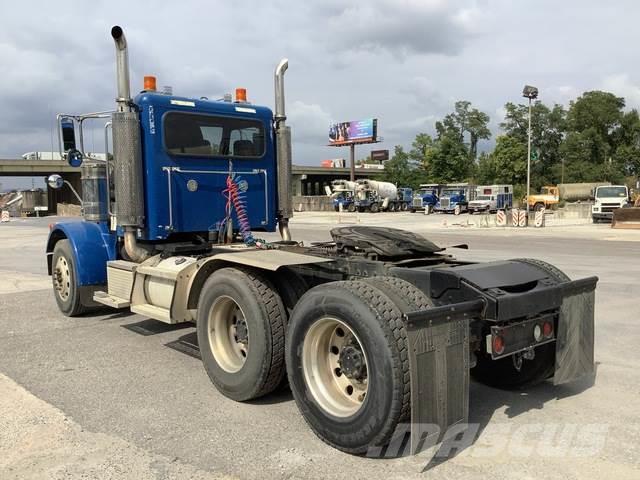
[(607, 199)]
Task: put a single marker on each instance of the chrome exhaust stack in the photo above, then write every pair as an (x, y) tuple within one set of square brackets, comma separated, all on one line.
[(283, 151), (127, 153), (122, 68)]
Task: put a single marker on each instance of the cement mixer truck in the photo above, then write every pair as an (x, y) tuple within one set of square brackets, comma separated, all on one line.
[(374, 196), (342, 193)]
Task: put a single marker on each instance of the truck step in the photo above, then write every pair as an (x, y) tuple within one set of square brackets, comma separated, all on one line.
[(158, 272), (110, 300), (152, 311)]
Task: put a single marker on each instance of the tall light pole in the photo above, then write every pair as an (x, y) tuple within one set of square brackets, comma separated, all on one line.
[(531, 93)]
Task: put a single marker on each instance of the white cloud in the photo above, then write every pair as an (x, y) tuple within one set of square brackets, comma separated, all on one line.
[(623, 86), (309, 123), (403, 61), (401, 27)]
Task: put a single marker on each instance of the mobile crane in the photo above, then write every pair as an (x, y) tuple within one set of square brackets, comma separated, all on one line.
[(376, 328)]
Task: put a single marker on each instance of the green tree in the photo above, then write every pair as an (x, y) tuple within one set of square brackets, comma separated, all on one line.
[(627, 154), (398, 169), (548, 127), (595, 135), (487, 171), (448, 160), (419, 156), (508, 161)]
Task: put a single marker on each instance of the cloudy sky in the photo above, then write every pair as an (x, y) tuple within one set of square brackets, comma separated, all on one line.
[(403, 61)]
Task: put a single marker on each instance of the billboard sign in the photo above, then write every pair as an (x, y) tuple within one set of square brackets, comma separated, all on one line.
[(358, 131), (379, 155)]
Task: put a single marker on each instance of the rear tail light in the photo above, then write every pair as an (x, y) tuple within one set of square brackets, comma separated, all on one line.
[(547, 329), (498, 345), (537, 333)]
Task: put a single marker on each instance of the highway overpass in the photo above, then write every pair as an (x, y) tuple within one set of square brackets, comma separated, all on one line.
[(307, 180)]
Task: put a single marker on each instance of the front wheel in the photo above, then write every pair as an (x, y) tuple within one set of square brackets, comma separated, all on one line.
[(351, 208), (240, 324), (538, 206), (65, 280), (375, 208), (347, 364)]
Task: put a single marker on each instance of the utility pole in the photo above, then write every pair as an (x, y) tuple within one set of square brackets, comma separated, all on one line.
[(352, 162), (531, 93)]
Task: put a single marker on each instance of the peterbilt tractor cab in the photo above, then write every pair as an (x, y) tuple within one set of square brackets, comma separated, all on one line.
[(426, 196), (375, 328)]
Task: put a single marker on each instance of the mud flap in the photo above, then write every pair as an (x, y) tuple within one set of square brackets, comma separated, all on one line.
[(575, 333), (439, 370)]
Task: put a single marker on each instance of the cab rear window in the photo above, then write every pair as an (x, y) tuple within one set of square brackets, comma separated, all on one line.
[(191, 135)]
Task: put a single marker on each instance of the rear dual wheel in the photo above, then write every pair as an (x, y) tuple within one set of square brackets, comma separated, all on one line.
[(241, 325), (347, 360)]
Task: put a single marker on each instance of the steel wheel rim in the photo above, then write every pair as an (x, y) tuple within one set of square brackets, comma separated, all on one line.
[(228, 334), (62, 278), (322, 351)]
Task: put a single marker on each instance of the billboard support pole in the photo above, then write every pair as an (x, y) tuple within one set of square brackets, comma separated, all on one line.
[(352, 162)]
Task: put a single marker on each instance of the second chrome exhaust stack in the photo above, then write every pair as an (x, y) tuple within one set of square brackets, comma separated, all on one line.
[(283, 150)]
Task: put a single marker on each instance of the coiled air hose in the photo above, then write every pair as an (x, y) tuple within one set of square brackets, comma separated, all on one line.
[(235, 197)]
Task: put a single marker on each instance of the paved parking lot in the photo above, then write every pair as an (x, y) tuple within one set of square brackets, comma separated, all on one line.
[(110, 395)]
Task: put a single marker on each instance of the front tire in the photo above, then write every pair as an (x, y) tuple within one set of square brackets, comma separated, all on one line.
[(65, 280), (346, 354), (374, 208), (351, 208), (240, 325)]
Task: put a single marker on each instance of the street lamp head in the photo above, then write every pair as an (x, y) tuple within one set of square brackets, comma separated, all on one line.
[(530, 92)]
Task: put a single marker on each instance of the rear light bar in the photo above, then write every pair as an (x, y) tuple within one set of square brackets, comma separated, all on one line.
[(508, 339)]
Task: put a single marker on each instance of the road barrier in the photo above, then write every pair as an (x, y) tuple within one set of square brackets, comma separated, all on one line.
[(518, 218), (501, 218), (5, 216), (522, 218), (539, 218)]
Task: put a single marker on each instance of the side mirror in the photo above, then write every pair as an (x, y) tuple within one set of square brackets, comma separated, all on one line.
[(55, 181), (68, 132), (74, 157)]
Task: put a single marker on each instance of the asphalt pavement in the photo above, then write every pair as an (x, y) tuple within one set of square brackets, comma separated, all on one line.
[(116, 395)]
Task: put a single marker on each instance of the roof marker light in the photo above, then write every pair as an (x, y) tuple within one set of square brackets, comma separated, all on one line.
[(241, 95), (149, 83)]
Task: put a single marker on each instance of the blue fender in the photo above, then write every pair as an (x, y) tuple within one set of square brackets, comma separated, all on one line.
[(92, 245)]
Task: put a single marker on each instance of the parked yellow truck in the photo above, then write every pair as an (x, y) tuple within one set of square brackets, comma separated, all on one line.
[(547, 198)]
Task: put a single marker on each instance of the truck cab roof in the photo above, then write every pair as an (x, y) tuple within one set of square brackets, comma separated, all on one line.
[(202, 105)]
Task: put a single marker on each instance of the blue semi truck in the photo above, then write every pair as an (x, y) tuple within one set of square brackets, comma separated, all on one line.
[(455, 198), (372, 329), (426, 196)]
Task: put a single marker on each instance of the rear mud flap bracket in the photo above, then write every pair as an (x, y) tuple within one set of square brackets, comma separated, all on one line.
[(439, 369)]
